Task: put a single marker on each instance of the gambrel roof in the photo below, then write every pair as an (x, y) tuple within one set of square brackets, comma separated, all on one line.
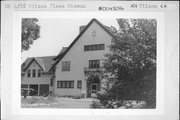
[(60, 56)]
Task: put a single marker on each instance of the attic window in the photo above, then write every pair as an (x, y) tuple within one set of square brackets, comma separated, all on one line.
[(94, 47), (94, 33)]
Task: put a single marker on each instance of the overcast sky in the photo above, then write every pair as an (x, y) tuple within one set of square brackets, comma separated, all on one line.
[(58, 33)]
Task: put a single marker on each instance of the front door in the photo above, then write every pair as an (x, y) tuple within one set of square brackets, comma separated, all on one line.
[(94, 87)]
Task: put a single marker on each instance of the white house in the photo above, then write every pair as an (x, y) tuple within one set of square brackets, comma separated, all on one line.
[(75, 67), (36, 75)]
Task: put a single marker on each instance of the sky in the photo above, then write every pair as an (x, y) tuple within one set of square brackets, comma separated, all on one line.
[(58, 33)]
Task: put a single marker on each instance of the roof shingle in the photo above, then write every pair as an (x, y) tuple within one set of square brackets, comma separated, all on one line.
[(44, 62)]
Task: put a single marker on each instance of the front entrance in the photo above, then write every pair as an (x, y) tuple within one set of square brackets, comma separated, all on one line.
[(94, 87)]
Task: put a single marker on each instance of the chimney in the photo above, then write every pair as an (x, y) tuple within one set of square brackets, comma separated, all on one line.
[(81, 28)]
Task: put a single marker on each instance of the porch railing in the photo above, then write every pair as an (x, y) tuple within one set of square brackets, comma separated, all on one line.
[(87, 69)]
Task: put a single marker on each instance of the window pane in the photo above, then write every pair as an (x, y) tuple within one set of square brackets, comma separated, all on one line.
[(98, 63), (88, 48), (51, 82), (79, 84), (29, 73), (66, 66), (94, 47), (67, 84), (90, 62), (94, 63), (58, 84), (71, 84), (34, 73), (63, 84), (85, 48), (98, 47), (102, 47), (39, 73)]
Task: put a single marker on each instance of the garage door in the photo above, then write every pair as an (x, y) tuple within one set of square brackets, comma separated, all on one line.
[(44, 89), (24, 86)]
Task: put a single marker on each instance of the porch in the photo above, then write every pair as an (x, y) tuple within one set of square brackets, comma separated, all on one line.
[(93, 81)]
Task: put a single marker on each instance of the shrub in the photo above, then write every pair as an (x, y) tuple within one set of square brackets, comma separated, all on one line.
[(96, 105), (76, 97), (51, 99), (32, 100)]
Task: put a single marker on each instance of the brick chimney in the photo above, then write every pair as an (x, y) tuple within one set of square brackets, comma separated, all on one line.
[(81, 28)]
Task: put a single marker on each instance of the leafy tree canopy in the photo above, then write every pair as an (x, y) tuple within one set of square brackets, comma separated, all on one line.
[(30, 31), (130, 66)]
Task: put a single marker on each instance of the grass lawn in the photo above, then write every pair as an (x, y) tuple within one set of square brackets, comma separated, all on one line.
[(57, 102), (64, 102)]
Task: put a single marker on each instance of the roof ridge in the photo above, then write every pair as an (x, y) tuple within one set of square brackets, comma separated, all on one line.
[(40, 56)]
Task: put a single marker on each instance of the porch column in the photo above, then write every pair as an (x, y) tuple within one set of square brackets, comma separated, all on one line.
[(38, 89), (28, 88)]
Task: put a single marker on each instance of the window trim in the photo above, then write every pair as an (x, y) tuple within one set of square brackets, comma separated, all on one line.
[(28, 73), (51, 83), (79, 84), (34, 73), (65, 69), (94, 47), (39, 73), (63, 84), (93, 62)]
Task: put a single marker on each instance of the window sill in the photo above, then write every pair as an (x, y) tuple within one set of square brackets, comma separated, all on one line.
[(65, 70), (65, 88)]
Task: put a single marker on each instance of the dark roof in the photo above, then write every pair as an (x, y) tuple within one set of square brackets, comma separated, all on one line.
[(44, 63), (59, 57), (60, 53)]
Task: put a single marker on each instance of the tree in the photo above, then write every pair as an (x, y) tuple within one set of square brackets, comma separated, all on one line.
[(30, 31), (130, 66)]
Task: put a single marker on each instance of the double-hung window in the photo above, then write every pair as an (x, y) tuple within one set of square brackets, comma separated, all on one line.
[(39, 73), (94, 63), (65, 84), (94, 47), (29, 73), (34, 73), (65, 65), (79, 84)]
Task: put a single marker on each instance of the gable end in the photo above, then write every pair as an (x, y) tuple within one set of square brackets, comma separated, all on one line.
[(33, 59), (59, 57)]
